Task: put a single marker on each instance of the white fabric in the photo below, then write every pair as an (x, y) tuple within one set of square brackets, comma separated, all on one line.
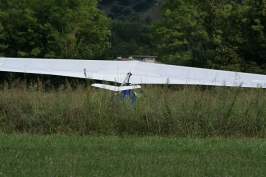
[(142, 73), (116, 88)]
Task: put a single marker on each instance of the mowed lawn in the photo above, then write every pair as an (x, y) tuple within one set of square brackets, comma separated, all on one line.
[(59, 155)]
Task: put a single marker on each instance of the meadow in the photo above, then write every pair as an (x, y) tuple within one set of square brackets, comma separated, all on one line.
[(76, 130), (183, 111), (58, 155)]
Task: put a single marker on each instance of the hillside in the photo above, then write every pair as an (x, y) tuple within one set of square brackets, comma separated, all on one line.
[(132, 9)]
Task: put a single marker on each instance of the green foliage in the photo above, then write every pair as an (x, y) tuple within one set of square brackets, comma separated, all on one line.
[(176, 33), (121, 8), (127, 11), (106, 1), (126, 2), (130, 38), (53, 29), (140, 5), (117, 9), (213, 34)]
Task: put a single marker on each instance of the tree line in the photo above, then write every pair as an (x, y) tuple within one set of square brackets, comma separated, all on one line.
[(53, 29), (219, 34)]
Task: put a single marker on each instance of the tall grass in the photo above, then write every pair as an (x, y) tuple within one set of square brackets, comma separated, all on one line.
[(186, 111)]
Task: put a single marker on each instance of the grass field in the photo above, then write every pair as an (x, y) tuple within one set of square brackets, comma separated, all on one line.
[(58, 155), (184, 111), (171, 131)]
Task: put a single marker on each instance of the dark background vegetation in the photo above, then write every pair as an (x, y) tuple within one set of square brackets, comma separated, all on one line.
[(224, 34)]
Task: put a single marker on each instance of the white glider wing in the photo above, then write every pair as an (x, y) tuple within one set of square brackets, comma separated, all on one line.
[(142, 73), (95, 69), (152, 73)]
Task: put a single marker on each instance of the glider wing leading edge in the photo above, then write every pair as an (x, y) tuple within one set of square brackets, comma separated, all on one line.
[(142, 72)]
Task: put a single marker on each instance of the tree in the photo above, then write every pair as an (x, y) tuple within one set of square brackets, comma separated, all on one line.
[(126, 2), (209, 33), (54, 29), (179, 36), (104, 2), (117, 8), (127, 11), (19, 28), (253, 27), (140, 5)]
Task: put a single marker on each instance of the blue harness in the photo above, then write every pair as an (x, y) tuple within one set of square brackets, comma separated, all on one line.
[(128, 93)]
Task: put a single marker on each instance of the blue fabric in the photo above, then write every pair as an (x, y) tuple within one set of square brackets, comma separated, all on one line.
[(131, 95)]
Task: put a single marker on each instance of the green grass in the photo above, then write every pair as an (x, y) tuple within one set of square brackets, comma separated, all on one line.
[(31, 155), (184, 111)]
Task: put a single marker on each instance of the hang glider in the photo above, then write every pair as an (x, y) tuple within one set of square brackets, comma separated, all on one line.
[(129, 74)]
